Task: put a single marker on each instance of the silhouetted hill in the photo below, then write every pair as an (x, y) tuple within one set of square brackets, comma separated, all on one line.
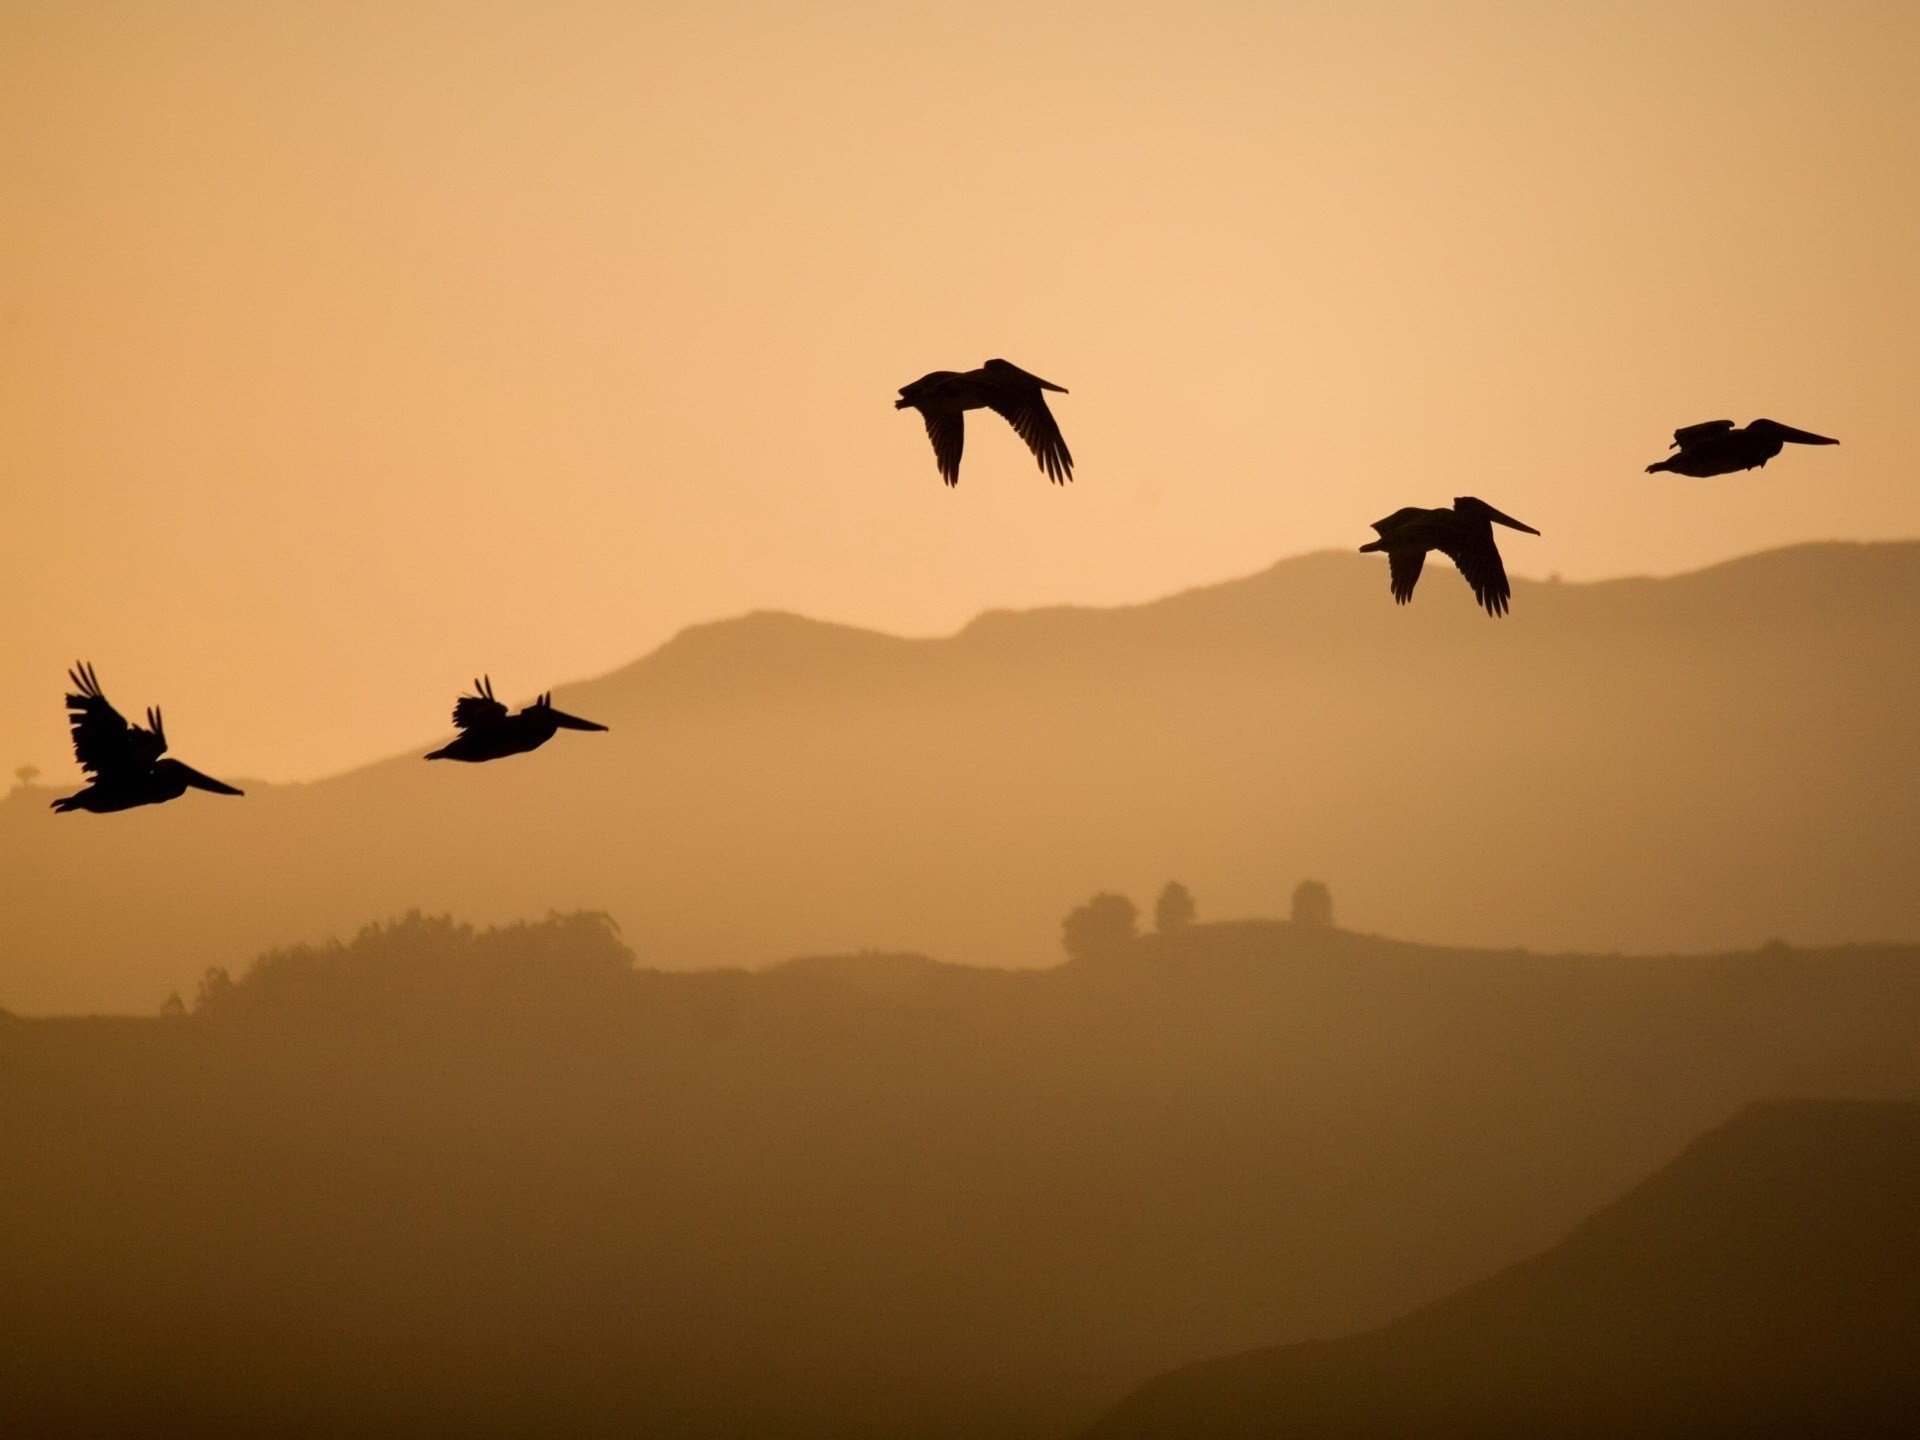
[(501, 1183), (1765, 1284), (1639, 764)]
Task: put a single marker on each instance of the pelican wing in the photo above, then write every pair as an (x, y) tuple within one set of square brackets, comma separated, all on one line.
[(1693, 434), (1478, 558), (947, 429), (1022, 406), (1403, 572), (103, 742), (478, 710)]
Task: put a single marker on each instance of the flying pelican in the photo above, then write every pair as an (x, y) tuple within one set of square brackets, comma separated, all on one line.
[(122, 761), (1719, 447), (1464, 534), (943, 398), (488, 732)]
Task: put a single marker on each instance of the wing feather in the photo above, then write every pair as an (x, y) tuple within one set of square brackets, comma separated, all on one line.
[(103, 742), (1478, 559), (478, 710), (1025, 408), (947, 429), (1403, 572)]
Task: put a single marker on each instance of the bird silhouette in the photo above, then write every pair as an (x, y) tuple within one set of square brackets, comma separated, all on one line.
[(122, 761), (944, 397), (488, 732), (1719, 447), (1463, 533)]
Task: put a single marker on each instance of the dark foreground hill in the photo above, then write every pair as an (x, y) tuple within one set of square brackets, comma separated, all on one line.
[(1644, 765), (506, 1185), (1766, 1284)]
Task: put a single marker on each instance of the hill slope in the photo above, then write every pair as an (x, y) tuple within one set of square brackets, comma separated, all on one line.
[(1644, 764), (1765, 1284), (503, 1185)]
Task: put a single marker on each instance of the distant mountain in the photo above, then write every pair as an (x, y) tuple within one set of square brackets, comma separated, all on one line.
[(1766, 1284), (1694, 762), (502, 1185)]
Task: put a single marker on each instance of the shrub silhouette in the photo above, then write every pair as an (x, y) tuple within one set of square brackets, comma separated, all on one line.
[(1313, 905), (1100, 929)]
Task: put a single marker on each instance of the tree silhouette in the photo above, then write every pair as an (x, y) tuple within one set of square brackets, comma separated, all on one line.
[(1312, 905), (216, 988), (1174, 910), (26, 775), (1100, 929), (432, 962)]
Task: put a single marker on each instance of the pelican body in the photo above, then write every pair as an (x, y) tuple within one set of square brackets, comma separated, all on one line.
[(488, 732), (944, 396), (123, 762), (1719, 447), (1463, 533)]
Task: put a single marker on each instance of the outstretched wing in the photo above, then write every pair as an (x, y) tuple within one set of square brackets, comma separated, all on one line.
[(1478, 558), (478, 710), (947, 429), (1403, 572), (1693, 434), (103, 742), (1017, 399)]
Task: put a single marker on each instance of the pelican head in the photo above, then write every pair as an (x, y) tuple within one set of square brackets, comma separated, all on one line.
[(544, 706), (1472, 505)]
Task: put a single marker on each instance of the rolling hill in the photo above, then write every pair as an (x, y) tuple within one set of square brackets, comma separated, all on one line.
[(1765, 1285), (1688, 763), (503, 1184)]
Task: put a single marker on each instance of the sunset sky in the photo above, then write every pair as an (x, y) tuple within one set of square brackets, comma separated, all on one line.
[(348, 349)]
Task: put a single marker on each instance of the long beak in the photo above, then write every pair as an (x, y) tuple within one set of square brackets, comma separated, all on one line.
[(573, 722), (1498, 518), (1799, 437), (1049, 385), (207, 782)]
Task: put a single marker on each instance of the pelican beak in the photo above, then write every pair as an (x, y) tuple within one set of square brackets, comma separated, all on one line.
[(207, 782), (573, 722), (1499, 519), (1799, 437)]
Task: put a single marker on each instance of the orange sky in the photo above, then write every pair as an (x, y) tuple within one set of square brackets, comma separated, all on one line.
[(347, 349)]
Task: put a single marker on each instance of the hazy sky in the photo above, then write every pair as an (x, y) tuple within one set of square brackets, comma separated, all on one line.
[(347, 349)]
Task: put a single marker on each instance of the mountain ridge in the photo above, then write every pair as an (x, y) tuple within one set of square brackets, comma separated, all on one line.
[(1485, 782)]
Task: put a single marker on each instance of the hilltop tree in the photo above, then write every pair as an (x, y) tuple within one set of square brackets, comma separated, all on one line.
[(26, 775), (1100, 929), (433, 962), (216, 986), (1174, 911), (1312, 906)]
